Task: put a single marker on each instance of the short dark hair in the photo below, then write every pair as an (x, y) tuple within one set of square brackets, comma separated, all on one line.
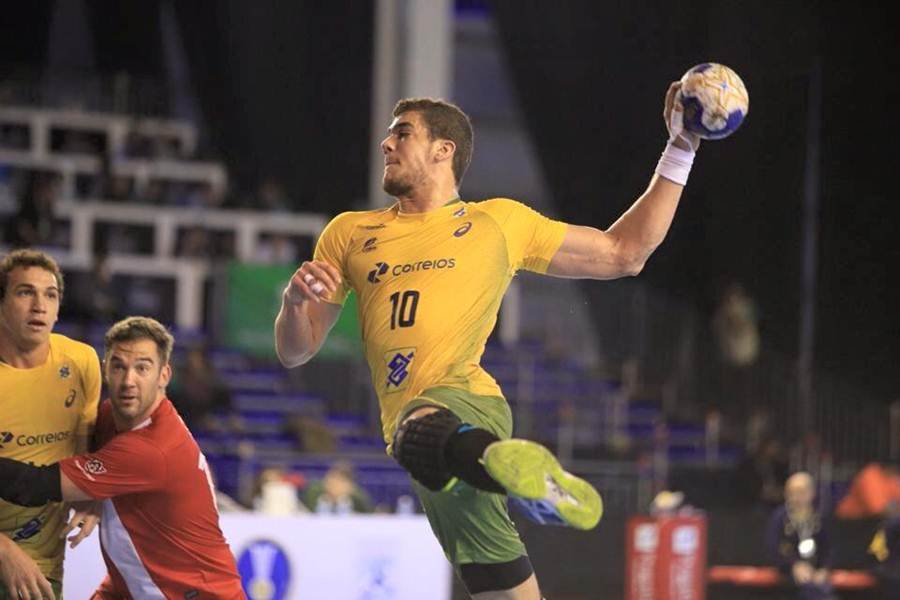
[(445, 121), (26, 257), (140, 328)]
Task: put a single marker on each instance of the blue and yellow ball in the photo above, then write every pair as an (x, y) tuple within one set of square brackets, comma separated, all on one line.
[(715, 101)]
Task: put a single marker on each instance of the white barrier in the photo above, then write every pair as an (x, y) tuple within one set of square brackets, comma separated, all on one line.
[(355, 557)]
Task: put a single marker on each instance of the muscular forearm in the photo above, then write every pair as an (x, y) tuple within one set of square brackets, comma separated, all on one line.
[(295, 341), (644, 226), (28, 485)]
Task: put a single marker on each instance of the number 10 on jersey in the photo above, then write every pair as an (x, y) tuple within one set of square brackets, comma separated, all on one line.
[(403, 308)]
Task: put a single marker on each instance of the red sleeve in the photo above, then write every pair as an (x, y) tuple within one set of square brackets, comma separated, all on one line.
[(128, 463)]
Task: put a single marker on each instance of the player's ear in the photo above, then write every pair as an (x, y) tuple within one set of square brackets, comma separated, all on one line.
[(165, 375), (444, 151)]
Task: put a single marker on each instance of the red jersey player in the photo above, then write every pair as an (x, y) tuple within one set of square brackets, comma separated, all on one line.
[(159, 532)]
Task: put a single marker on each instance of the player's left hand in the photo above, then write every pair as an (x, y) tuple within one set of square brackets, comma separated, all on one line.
[(85, 516), (672, 114)]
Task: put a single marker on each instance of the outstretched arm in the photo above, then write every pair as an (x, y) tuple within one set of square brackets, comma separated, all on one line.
[(28, 485), (621, 250)]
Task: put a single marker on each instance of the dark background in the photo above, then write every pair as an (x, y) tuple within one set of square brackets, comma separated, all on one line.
[(285, 90)]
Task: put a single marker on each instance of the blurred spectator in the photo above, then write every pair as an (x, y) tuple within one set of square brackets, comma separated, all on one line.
[(95, 295), (808, 454), (202, 398), (337, 492), (872, 491), (737, 338), (276, 494), (311, 434), (885, 547), (200, 195), (33, 223), (762, 474), (271, 197), (122, 239), (196, 242), (736, 328), (798, 540), (276, 249), (118, 188), (758, 430), (155, 193)]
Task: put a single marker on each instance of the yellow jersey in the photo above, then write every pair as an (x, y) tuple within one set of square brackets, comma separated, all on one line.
[(429, 287), (43, 411)]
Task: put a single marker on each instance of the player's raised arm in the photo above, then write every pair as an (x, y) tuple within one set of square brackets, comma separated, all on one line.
[(305, 319), (622, 250)]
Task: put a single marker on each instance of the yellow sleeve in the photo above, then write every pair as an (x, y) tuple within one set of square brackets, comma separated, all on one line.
[(332, 248), (531, 238), (90, 370)]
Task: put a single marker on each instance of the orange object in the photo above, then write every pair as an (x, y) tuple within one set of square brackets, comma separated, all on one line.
[(765, 577), (872, 490)]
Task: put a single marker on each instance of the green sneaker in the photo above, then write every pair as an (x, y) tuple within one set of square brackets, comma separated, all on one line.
[(537, 483)]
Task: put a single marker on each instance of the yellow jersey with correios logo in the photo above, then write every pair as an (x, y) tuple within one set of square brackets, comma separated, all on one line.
[(43, 411), (429, 287)]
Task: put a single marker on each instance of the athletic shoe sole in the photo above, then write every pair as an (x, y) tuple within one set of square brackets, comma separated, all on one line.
[(548, 493)]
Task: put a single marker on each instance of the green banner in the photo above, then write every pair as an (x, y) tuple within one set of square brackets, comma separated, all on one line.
[(254, 298)]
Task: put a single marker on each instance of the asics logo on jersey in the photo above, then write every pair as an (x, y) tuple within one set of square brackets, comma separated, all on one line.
[(70, 399), (463, 230), (379, 270), (369, 245), (460, 212), (23, 440)]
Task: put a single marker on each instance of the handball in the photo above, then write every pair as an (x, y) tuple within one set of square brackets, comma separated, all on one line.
[(714, 99)]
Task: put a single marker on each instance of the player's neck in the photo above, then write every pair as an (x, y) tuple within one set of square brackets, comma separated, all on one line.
[(427, 199), (125, 423), (23, 358)]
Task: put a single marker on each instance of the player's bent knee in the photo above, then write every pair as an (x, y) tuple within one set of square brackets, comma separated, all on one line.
[(419, 447), (495, 577)]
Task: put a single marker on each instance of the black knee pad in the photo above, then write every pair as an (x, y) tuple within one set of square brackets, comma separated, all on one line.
[(419, 447), (495, 577)]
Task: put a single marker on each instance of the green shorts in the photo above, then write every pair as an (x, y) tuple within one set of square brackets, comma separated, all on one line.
[(472, 526), (56, 584)]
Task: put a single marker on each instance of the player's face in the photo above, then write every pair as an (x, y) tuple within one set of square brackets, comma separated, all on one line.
[(137, 380), (29, 308), (407, 155)]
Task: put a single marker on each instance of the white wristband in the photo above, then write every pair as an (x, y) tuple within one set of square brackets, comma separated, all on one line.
[(675, 164)]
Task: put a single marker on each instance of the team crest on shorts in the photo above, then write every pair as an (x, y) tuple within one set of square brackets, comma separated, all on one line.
[(398, 363)]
